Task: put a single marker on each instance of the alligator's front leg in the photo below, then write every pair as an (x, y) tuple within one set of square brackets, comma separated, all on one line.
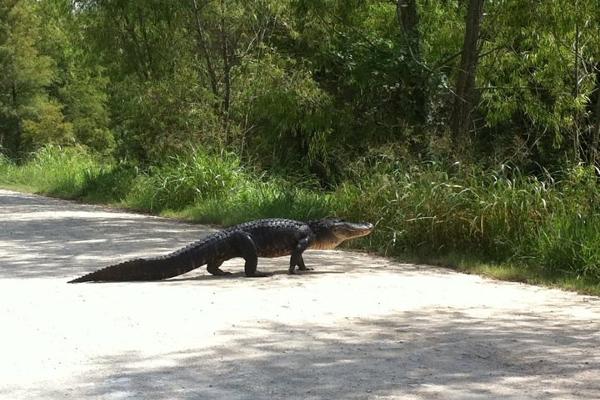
[(247, 249), (213, 269), (296, 258)]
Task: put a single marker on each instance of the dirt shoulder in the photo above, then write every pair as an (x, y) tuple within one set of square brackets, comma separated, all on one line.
[(358, 327)]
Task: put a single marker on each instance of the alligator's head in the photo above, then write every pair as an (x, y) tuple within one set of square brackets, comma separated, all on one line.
[(330, 232)]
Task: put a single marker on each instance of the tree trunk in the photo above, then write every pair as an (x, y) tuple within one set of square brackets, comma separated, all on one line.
[(577, 134), (595, 159), (226, 63), (17, 138), (225, 53), (408, 17), (212, 76), (140, 59), (465, 83)]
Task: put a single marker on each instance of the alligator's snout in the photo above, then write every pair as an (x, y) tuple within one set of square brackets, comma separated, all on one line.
[(330, 232), (350, 230)]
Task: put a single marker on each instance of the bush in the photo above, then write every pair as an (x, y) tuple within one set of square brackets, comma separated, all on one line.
[(185, 180), (497, 215)]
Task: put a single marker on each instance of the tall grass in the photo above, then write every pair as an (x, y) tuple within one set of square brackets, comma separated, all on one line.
[(497, 215), (202, 186), (426, 210), (52, 170)]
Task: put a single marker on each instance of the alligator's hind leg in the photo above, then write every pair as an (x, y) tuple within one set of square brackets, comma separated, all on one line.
[(296, 258), (213, 268), (247, 249), (301, 266)]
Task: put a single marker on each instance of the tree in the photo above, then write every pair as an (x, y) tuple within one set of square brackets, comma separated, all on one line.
[(536, 81), (595, 130), (80, 85), (24, 101), (408, 17), (465, 82)]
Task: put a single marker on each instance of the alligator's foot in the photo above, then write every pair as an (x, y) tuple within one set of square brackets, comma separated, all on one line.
[(217, 271), (220, 272), (299, 271), (303, 271), (258, 274)]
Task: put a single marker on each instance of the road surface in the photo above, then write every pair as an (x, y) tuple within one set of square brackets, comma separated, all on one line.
[(358, 327)]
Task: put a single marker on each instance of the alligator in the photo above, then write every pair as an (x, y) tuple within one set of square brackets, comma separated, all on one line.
[(261, 238)]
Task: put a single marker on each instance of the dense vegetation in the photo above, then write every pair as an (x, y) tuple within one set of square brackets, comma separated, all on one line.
[(468, 130)]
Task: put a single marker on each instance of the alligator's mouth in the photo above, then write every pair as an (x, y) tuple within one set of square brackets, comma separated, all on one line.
[(349, 230), (331, 232)]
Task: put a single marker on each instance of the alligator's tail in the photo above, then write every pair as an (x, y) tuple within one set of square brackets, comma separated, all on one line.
[(149, 269)]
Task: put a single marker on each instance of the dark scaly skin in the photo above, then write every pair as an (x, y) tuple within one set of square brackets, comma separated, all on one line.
[(250, 240)]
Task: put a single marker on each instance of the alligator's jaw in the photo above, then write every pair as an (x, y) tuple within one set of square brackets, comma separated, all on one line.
[(352, 230), (332, 232)]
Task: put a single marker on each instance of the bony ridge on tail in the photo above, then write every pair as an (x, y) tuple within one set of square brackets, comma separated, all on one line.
[(250, 240)]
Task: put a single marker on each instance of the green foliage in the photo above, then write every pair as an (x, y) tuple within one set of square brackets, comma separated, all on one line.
[(108, 183), (85, 107), (502, 215), (53, 170), (537, 81), (294, 84), (47, 94), (162, 118), (568, 245), (25, 73), (292, 116), (360, 58), (185, 180), (80, 85), (44, 124)]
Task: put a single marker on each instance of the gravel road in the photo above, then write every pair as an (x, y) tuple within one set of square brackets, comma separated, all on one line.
[(358, 327)]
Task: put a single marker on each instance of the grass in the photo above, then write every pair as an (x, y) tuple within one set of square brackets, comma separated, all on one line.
[(496, 222), (52, 171)]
